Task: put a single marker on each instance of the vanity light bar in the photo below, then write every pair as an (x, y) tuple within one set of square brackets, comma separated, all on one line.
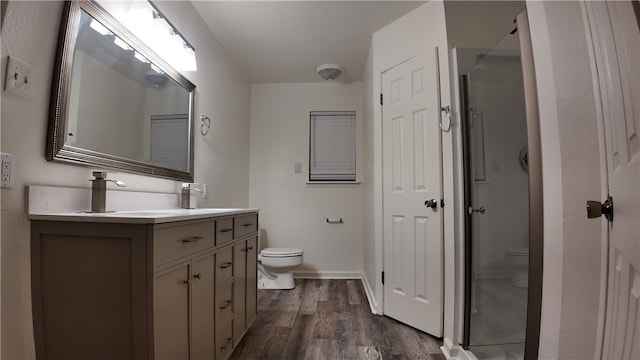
[(99, 28), (121, 43)]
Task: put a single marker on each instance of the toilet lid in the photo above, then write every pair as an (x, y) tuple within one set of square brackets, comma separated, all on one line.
[(280, 252), (518, 251)]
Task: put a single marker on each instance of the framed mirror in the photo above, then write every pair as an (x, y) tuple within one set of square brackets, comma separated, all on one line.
[(115, 103)]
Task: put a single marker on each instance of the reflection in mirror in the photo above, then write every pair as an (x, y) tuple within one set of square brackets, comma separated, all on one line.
[(120, 106)]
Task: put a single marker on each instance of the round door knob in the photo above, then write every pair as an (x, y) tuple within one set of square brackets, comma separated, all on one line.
[(433, 203)]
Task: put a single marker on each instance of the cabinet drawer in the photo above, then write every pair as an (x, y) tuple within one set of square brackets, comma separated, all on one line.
[(245, 224), (224, 231), (224, 305), (174, 242), (224, 341), (224, 265)]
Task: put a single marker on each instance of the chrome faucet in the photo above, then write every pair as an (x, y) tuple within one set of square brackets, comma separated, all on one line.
[(185, 194), (99, 191)]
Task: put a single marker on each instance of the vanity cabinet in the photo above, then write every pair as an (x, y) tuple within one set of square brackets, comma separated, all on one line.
[(245, 287), (120, 290)]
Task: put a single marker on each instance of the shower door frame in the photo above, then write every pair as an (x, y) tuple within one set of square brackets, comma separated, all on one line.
[(534, 293)]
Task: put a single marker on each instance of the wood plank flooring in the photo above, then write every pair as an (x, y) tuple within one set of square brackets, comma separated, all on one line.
[(329, 319)]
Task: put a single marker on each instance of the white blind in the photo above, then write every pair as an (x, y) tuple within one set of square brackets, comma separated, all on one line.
[(332, 146), (169, 141)]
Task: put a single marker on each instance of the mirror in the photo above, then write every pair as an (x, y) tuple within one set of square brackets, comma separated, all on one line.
[(115, 103)]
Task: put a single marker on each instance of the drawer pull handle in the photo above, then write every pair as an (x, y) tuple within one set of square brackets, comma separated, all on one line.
[(186, 282), (196, 276), (192, 239), (225, 230), (225, 265), (226, 305), (247, 224), (225, 344), (247, 249)]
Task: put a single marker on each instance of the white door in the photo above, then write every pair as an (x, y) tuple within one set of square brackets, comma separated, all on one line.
[(616, 34), (412, 175)]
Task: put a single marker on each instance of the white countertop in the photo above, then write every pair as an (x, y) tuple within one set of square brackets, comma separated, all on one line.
[(138, 217), (52, 203)]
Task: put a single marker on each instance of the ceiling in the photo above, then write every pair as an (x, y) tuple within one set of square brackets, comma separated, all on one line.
[(284, 41)]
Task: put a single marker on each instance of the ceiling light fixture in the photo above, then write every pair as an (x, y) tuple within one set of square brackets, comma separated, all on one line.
[(329, 71), (156, 78)]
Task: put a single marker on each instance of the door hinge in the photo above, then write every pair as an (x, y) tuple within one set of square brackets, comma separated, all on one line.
[(380, 99), (383, 278)]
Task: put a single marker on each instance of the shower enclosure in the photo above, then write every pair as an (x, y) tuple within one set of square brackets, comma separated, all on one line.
[(497, 202)]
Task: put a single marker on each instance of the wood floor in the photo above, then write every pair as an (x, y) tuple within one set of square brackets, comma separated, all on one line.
[(329, 319)]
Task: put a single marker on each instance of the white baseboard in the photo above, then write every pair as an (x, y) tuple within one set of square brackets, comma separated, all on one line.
[(455, 352), (356, 275), (373, 304), (449, 350)]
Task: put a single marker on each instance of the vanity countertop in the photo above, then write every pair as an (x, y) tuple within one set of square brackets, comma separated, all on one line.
[(138, 216)]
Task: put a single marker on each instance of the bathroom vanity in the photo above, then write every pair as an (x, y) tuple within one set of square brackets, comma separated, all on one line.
[(164, 284)]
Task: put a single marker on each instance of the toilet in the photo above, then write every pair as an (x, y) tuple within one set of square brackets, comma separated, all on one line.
[(518, 258), (275, 267)]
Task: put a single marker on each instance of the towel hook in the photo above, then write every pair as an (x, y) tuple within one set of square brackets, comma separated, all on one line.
[(205, 125), (445, 126)]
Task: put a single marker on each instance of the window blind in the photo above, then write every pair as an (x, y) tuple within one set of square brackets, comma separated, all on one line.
[(332, 146), (168, 145)]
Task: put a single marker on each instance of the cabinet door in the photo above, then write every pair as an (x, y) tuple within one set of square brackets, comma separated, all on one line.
[(202, 311), (171, 313), (252, 280), (239, 289)]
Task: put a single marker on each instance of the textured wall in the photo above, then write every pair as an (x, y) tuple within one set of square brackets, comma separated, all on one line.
[(293, 213)]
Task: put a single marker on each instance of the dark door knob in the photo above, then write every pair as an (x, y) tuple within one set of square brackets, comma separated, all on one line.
[(595, 209), (433, 203)]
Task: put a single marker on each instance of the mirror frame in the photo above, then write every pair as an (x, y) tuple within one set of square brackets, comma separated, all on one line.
[(56, 148)]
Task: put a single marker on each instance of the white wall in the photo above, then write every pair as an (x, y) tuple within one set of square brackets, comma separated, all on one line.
[(30, 32), (571, 168), (418, 32), (292, 212), (368, 181), (480, 24)]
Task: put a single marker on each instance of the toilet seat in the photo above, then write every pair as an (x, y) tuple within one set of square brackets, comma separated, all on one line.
[(280, 252)]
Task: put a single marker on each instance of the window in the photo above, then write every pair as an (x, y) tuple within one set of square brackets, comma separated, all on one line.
[(168, 145), (332, 146)]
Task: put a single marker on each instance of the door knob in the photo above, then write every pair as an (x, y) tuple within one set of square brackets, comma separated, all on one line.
[(595, 209), (433, 203)]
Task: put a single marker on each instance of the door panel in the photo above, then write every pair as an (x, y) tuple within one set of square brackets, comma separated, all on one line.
[(412, 175), (203, 295), (171, 312), (616, 43)]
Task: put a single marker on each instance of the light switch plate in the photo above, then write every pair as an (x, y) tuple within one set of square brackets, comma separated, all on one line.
[(298, 167), (17, 80)]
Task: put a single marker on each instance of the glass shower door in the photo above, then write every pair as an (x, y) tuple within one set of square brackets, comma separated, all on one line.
[(497, 201)]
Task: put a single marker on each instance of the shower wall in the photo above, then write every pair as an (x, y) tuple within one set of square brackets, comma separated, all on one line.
[(500, 183)]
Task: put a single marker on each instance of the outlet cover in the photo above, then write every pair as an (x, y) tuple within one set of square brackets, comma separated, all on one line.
[(8, 163), (17, 79)]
